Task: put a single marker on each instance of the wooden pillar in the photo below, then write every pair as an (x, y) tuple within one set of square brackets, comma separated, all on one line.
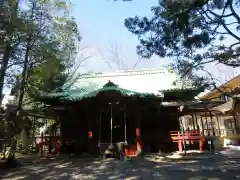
[(193, 122), (195, 115), (100, 128), (181, 122), (223, 121), (219, 130), (235, 124), (212, 123), (125, 124), (202, 125), (207, 123), (138, 131), (90, 132)]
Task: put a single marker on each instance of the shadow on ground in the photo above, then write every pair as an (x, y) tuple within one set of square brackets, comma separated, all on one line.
[(137, 168)]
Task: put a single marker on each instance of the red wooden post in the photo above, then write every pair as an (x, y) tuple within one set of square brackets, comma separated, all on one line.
[(201, 145), (180, 149)]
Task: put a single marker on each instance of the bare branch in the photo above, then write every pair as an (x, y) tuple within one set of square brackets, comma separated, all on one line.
[(119, 61), (80, 64), (219, 16), (189, 69), (137, 62), (230, 32), (233, 11), (14, 63), (220, 89), (105, 60), (231, 46)]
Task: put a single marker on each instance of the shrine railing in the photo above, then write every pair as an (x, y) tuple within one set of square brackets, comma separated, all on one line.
[(218, 132), (188, 135), (197, 134)]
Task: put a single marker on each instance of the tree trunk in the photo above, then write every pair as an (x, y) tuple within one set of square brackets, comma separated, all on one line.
[(24, 76), (13, 150), (4, 64), (8, 28)]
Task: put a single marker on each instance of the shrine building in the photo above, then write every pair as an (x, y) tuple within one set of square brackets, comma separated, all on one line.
[(134, 107)]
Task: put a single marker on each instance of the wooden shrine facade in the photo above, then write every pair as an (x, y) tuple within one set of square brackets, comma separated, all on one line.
[(110, 116), (93, 113), (217, 116), (226, 115)]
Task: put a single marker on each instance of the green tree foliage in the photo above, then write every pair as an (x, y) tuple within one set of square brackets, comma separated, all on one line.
[(44, 44), (51, 37), (192, 32)]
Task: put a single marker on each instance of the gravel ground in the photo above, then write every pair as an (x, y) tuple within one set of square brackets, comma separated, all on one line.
[(150, 168)]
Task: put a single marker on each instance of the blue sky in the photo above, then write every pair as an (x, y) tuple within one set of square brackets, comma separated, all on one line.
[(101, 23)]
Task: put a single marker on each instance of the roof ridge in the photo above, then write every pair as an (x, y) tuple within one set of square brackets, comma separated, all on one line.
[(125, 73), (140, 70)]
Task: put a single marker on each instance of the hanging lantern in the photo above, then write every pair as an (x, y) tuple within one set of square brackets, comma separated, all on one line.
[(90, 134)]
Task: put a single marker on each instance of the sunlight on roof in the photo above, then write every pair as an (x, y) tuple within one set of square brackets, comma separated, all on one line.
[(202, 94)]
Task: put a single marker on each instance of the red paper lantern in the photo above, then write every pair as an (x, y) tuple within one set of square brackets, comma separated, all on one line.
[(90, 134)]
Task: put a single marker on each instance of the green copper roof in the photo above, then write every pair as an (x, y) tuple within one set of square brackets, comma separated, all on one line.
[(150, 82), (181, 94), (79, 94)]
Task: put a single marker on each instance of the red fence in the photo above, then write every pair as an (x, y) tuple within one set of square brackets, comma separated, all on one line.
[(192, 135), (188, 135)]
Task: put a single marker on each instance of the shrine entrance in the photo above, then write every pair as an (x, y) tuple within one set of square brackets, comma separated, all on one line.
[(116, 126), (112, 124)]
